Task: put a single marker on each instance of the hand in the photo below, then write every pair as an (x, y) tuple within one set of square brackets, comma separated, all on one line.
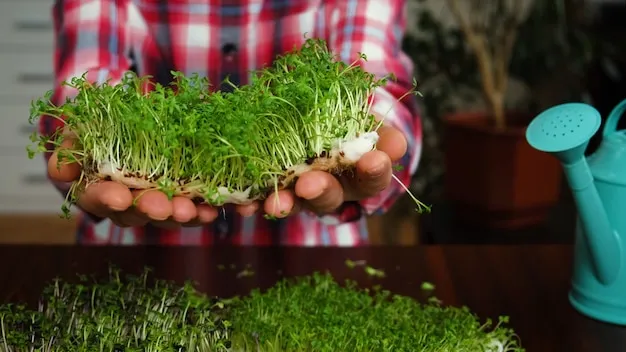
[(108, 199), (323, 193), (317, 191)]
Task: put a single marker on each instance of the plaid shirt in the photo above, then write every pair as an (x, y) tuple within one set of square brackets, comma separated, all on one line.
[(230, 38)]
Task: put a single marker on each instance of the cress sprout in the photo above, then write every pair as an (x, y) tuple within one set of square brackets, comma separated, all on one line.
[(313, 313), (306, 111)]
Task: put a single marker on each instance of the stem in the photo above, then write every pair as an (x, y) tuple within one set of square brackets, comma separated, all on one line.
[(4, 337), (493, 64), (496, 103), (420, 206)]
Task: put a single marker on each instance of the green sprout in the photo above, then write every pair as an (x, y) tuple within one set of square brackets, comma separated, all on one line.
[(371, 271), (117, 315), (218, 147), (247, 272), (316, 313), (312, 313), (427, 286), (354, 263)]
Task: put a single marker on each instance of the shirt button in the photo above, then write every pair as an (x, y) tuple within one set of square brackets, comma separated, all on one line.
[(229, 49)]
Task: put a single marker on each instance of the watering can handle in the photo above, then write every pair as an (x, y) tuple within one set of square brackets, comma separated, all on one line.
[(614, 116)]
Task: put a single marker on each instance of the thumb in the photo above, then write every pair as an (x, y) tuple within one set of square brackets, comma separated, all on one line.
[(61, 166)]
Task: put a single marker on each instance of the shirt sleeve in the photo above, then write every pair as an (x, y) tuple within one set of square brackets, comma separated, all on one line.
[(376, 28), (91, 38)]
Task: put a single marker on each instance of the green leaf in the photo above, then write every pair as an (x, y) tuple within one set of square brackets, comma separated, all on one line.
[(427, 286)]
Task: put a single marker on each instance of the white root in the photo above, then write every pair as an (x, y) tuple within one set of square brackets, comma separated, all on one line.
[(344, 154), (496, 345), (355, 148)]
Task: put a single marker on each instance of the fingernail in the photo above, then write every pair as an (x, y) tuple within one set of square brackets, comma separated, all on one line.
[(159, 217)]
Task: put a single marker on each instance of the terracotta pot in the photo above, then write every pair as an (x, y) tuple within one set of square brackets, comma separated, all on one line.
[(494, 179)]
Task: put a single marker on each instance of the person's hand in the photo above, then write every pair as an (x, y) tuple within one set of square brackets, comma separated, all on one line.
[(108, 199), (324, 193), (317, 191)]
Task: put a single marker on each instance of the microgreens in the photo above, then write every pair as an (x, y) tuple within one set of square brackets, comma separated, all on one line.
[(371, 271), (354, 263), (117, 315), (315, 313), (247, 272), (298, 114), (398, 167), (304, 314), (427, 286)]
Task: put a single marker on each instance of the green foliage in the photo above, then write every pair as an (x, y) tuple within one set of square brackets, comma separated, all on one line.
[(310, 313), (315, 313), (117, 315), (550, 40), (551, 46), (184, 139)]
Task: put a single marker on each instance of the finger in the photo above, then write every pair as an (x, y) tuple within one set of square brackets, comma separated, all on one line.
[(320, 190), (153, 203), (391, 141), (67, 133), (247, 210), (64, 171), (194, 223), (281, 204), (206, 214), (373, 175), (104, 198), (183, 210)]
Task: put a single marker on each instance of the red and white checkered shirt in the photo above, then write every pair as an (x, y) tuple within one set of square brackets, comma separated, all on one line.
[(219, 38)]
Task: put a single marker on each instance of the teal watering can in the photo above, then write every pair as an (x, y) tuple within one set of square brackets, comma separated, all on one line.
[(598, 184)]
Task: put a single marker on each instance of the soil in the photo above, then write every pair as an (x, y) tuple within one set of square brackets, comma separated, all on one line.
[(335, 162)]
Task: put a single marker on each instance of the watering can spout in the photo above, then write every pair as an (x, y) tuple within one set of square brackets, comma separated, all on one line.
[(564, 131)]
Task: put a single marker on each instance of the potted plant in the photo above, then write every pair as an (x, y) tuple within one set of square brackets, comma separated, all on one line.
[(309, 313), (506, 55)]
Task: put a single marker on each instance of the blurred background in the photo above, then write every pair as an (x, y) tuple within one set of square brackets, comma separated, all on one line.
[(485, 184)]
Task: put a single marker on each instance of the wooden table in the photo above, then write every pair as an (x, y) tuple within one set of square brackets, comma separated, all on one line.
[(527, 283)]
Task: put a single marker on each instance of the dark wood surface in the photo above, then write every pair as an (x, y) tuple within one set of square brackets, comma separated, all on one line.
[(528, 283)]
